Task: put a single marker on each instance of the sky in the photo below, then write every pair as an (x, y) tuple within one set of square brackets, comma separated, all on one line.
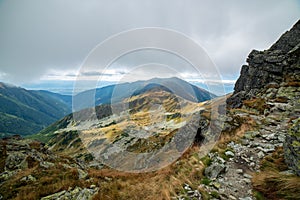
[(48, 43)]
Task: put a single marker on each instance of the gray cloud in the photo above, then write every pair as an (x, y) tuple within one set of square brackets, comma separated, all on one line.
[(39, 36)]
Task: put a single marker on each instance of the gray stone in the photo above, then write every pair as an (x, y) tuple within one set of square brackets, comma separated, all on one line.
[(239, 171), (229, 153), (46, 164), (245, 198), (260, 154), (214, 170), (247, 180), (247, 176), (16, 160), (28, 178), (54, 196), (82, 174), (77, 193), (292, 147)]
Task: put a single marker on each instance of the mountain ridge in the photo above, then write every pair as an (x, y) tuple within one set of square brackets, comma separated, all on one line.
[(26, 112), (118, 92)]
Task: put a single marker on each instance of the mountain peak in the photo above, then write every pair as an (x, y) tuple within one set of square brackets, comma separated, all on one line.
[(288, 40), (7, 85)]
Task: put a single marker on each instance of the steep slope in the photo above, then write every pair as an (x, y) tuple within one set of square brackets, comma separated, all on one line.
[(271, 85), (270, 68), (27, 112), (268, 94), (119, 92)]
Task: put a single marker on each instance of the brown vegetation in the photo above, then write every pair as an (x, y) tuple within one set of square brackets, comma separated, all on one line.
[(272, 183), (161, 184)]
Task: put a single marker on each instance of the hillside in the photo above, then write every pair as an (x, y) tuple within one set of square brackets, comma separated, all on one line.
[(247, 149), (152, 112), (119, 92), (26, 112)]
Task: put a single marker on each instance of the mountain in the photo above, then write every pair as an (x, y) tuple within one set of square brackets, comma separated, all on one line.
[(271, 83), (153, 107), (117, 93), (26, 112), (247, 149), (270, 68), (268, 94)]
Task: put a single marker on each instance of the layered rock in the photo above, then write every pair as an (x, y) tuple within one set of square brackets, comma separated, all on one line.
[(270, 85), (292, 147), (270, 68)]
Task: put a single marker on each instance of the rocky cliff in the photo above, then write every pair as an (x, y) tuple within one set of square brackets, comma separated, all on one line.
[(274, 67), (270, 84)]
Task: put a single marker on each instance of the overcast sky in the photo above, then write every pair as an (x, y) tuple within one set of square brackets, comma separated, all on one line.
[(49, 40)]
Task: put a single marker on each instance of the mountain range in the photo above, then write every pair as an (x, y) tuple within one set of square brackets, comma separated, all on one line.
[(27, 112), (118, 92), (244, 145)]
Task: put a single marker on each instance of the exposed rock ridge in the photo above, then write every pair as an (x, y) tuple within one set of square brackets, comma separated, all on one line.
[(270, 83), (279, 64)]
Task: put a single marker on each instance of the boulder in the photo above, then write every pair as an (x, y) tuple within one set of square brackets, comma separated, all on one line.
[(217, 167), (292, 147)]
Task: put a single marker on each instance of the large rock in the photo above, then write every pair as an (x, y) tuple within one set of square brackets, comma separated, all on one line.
[(217, 167), (77, 193), (292, 147), (278, 64)]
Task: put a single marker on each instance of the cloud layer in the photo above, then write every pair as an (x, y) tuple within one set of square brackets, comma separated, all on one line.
[(44, 39)]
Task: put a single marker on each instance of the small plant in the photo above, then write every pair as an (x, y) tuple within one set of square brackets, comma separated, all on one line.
[(206, 161), (258, 195), (205, 181), (215, 194)]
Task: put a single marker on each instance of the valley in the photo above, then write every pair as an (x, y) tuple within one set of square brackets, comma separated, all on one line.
[(162, 138)]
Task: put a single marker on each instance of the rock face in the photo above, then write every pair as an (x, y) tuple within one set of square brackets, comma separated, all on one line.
[(292, 147), (271, 84), (269, 68)]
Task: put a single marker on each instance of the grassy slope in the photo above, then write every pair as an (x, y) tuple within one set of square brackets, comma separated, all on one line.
[(26, 112)]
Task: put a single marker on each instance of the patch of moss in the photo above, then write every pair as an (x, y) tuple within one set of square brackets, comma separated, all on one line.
[(258, 195), (205, 181), (207, 161), (215, 194)]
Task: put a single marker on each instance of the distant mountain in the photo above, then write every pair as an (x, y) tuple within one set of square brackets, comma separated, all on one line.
[(27, 112), (118, 92), (153, 107)]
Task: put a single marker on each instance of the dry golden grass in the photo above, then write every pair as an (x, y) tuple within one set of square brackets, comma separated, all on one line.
[(273, 184), (258, 104), (48, 182), (292, 84), (162, 184)]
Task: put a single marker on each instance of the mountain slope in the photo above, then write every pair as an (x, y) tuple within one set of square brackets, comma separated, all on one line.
[(119, 92), (27, 112), (153, 111)]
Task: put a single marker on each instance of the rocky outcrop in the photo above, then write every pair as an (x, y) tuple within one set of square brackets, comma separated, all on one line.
[(19, 154), (77, 193), (292, 147), (270, 86), (270, 68)]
